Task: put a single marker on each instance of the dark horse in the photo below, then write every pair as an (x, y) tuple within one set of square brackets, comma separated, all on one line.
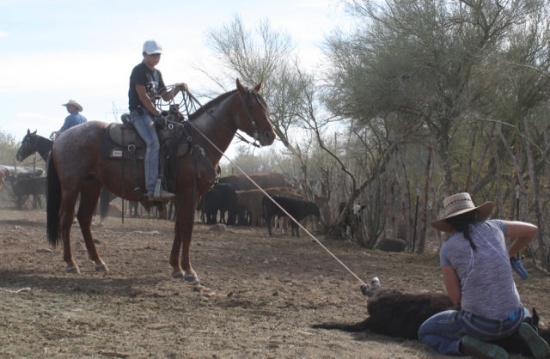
[(78, 167), (22, 187), (34, 143)]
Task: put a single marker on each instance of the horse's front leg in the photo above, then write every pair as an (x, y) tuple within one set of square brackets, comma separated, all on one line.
[(182, 241)]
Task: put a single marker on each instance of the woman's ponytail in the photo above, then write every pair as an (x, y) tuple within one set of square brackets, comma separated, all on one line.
[(461, 223)]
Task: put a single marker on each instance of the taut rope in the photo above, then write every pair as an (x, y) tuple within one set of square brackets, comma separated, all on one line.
[(274, 202)]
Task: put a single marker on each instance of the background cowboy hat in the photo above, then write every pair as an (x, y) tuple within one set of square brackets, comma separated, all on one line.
[(74, 104)]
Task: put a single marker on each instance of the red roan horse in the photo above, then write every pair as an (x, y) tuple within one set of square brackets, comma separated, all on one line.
[(77, 167)]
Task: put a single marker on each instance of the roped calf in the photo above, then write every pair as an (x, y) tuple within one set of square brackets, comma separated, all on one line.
[(297, 208), (399, 314)]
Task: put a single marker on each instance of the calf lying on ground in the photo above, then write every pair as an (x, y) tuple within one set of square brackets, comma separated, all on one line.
[(399, 314)]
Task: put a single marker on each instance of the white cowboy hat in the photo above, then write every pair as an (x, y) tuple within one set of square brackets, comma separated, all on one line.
[(75, 104), (458, 204)]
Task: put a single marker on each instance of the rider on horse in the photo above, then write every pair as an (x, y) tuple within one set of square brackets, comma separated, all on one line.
[(146, 86), (74, 118)]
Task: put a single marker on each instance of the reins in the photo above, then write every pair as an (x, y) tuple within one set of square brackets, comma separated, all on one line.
[(263, 191), (190, 106), (238, 135)]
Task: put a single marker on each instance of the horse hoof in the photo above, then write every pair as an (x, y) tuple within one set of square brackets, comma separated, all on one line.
[(101, 267), (177, 275), (197, 287), (189, 278), (74, 270)]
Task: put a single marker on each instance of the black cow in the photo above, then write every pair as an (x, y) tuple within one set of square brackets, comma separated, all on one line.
[(297, 208), (352, 219), (23, 186), (399, 314), (221, 198)]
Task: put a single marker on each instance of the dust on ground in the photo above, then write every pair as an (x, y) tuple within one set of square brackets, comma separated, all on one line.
[(264, 294)]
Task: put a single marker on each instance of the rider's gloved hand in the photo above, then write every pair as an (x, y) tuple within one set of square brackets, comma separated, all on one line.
[(182, 86), (519, 268)]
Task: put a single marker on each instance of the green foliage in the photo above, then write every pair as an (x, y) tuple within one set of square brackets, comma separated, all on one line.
[(420, 98), (8, 148)]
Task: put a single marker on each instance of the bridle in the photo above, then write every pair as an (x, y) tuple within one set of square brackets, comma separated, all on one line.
[(247, 106), (29, 144)]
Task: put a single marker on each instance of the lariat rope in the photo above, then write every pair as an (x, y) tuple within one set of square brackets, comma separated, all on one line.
[(267, 194)]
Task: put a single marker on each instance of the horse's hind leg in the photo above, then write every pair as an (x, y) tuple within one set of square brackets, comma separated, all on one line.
[(89, 196), (66, 216)]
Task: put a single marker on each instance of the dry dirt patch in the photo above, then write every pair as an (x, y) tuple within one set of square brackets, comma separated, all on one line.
[(264, 293)]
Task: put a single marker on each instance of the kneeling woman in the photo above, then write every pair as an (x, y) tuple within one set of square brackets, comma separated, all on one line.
[(478, 278)]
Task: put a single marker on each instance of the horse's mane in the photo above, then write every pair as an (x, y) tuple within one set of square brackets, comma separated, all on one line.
[(42, 137), (209, 104)]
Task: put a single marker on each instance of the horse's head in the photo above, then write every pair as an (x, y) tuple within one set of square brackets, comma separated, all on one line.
[(28, 146), (257, 125)]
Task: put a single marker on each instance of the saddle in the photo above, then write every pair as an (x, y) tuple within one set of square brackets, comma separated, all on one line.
[(122, 141)]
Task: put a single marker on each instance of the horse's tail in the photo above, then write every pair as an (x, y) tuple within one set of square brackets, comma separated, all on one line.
[(104, 199), (53, 205)]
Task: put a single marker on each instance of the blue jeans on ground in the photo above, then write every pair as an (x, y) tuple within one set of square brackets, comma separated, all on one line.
[(444, 330), (146, 129)]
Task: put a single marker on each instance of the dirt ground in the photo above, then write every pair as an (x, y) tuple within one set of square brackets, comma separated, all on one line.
[(264, 294)]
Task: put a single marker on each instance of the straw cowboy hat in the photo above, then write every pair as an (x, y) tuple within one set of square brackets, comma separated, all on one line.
[(74, 104), (458, 204)]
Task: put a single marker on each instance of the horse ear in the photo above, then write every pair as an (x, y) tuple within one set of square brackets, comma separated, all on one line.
[(34, 133), (258, 87), (240, 87)]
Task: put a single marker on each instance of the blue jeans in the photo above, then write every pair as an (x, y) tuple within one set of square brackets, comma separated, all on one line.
[(444, 330), (146, 129)]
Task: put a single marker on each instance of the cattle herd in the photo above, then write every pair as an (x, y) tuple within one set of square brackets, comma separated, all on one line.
[(269, 200), (237, 200), (256, 200)]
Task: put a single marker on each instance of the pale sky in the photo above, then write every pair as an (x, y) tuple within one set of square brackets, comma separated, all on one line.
[(55, 50)]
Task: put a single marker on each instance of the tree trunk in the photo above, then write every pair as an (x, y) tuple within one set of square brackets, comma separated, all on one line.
[(425, 211)]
